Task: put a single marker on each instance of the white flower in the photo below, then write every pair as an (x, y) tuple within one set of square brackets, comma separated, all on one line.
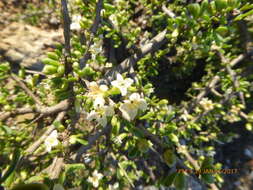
[(101, 119), (94, 179), (95, 90), (117, 140), (99, 102), (186, 116), (51, 140), (113, 19), (75, 25), (87, 159), (206, 104), (122, 84), (97, 93), (101, 114), (235, 109), (29, 80), (114, 186), (130, 107)]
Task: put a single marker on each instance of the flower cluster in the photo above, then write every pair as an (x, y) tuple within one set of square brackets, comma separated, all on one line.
[(95, 178), (104, 107), (206, 104), (232, 115)]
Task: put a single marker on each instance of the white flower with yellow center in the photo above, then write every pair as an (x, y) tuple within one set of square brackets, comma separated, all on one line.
[(100, 114), (97, 92), (95, 178), (206, 104), (122, 84), (130, 107), (51, 140)]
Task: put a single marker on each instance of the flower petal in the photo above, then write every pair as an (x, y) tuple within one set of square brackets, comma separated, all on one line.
[(128, 111), (142, 105)]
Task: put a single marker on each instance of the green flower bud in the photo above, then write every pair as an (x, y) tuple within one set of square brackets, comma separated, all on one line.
[(53, 56), (49, 69), (48, 61), (61, 70)]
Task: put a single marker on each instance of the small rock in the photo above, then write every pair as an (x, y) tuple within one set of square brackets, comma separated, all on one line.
[(25, 44)]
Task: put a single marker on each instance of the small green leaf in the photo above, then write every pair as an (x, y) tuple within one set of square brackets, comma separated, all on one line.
[(53, 56), (204, 6), (208, 161), (149, 115), (115, 125), (86, 71), (240, 17), (163, 102), (11, 169), (169, 157), (247, 6), (133, 152), (7, 129), (73, 167), (220, 4), (233, 3), (168, 180), (113, 91), (4, 67), (222, 30), (173, 138), (207, 177), (61, 70), (48, 61), (194, 9), (249, 126), (81, 141), (138, 132), (180, 181), (143, 145), (49, 69)]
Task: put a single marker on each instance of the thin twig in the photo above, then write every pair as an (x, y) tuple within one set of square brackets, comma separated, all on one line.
[(26, 89), (168, 12), (49, 130), (34, 72), (152, 46), (62, 106), (156, 141), (91, 141), (233, 76), (66, 25), (93, 30), (67, 36), (211, 85)]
